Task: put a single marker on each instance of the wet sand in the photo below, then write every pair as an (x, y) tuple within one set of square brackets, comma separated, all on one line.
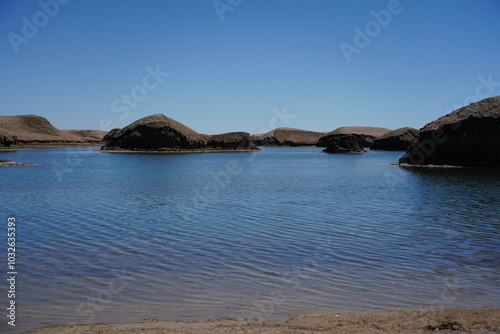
[(386, 321)]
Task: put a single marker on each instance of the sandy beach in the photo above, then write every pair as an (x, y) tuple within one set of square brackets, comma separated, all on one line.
[(386, 321)]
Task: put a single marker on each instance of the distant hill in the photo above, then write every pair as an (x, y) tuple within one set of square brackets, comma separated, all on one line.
[(27, 130), (287, 137), (91, 136)]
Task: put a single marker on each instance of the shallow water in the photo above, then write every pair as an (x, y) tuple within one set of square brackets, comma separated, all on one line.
[(121, 237)]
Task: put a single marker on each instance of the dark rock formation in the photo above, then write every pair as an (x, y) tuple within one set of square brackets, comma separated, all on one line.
[(469, 137), (161, 133), (397, 140), (345, 144), (155, 132), (230, 141), (287, 137), (7, 139), (111, 133), (363, 134)]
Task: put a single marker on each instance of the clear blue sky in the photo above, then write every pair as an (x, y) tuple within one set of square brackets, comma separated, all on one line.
[(229, 75)]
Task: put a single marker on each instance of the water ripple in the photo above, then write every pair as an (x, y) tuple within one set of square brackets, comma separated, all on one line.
[(140, 236)]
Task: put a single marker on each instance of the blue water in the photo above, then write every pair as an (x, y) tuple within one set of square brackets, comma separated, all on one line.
[(105, 237)]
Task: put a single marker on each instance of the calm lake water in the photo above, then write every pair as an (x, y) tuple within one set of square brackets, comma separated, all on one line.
[(107, 237)]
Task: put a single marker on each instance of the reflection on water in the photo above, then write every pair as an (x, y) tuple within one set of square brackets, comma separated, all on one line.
[(122, 237)]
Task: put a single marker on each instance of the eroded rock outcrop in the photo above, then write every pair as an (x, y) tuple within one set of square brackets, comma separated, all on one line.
[(7, 139), (111, 133), (396, 140), (469, 137), (365, 135), (161, 133), (345, 144)]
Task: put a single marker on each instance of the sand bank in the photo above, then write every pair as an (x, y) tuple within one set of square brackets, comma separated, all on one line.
[(387, 321)]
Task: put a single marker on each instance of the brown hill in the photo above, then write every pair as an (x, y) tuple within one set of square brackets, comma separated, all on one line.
[(469, 136), (287, 137), (90, 136), (161, 133), (33, 130)]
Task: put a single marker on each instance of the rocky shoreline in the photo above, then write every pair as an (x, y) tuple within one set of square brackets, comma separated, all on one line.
[(6, 163)]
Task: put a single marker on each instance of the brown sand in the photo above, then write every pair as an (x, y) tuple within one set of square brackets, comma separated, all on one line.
[(357, 322)]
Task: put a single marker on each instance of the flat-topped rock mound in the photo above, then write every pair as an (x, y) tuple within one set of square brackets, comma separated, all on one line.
[(360, 130), (351, 143), (287, 137), (90, 136), (396, 140), (161, 133), (468, 137), (230, 141), (365, 135), (36, 130)]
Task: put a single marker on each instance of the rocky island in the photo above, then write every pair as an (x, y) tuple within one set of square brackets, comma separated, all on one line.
[(287, 137), (159, 133), (350, 139), (466, 137), (346, 144)]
